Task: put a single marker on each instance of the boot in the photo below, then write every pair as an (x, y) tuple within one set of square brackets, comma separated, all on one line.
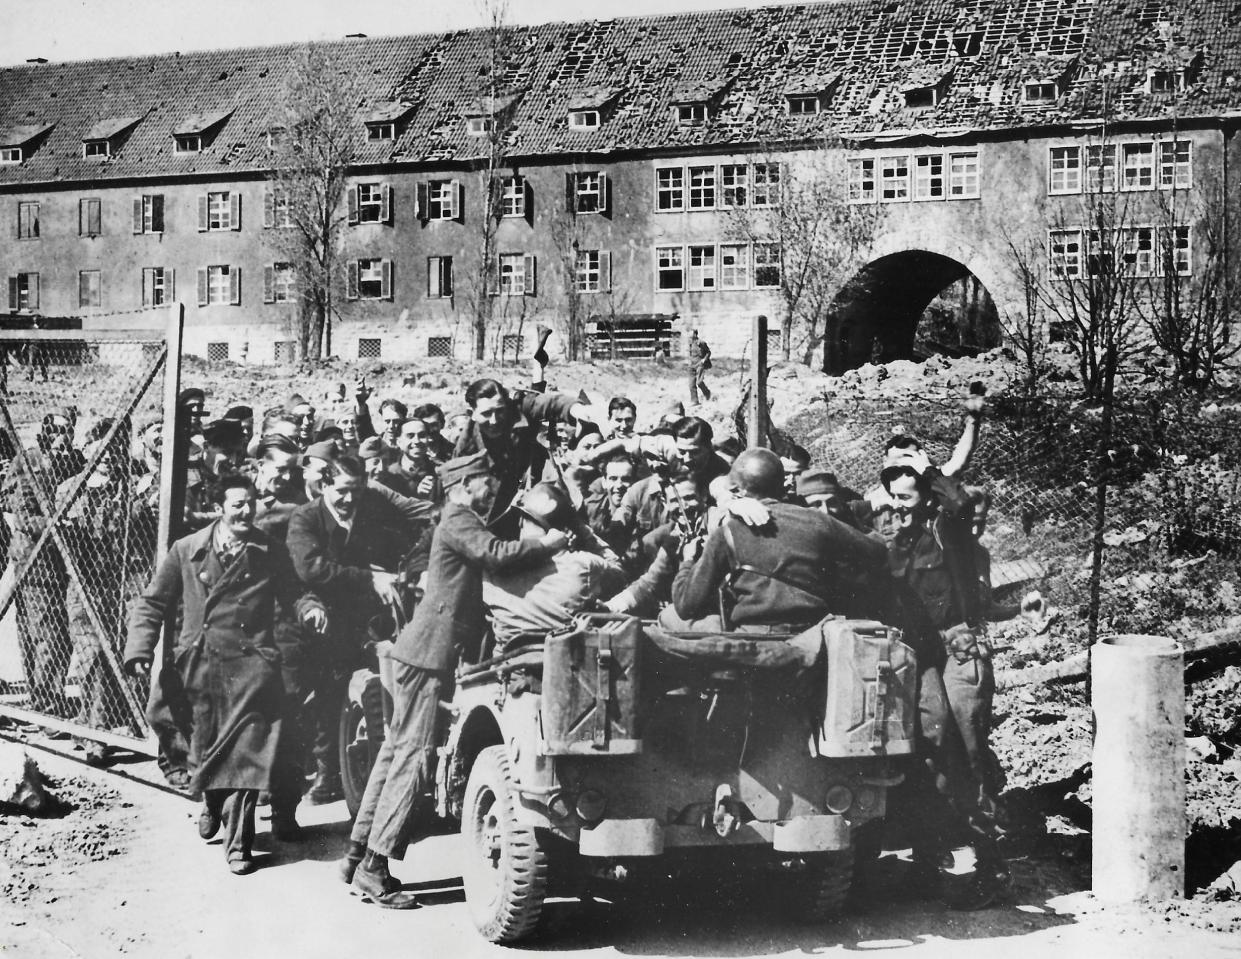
[(349, 864), (374, 883), (285, 827), (540, 352), (326, 787)]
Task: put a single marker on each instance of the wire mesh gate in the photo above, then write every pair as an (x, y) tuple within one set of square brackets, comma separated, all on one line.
[(83, 416)]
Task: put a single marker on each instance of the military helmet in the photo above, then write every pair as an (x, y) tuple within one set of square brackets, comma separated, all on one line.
[(547, 505)]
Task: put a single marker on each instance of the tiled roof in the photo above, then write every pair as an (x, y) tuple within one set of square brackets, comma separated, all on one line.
[(748, 57), (107, 129), (200, 122), (22, 134), (386, 112)]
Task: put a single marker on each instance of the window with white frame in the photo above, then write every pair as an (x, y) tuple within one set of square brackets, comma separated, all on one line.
[(513, 196), (442, 200), (804, 105), (963, 175), (90, 289), (893, 178), (439, 277), (24, 293), (1101, 252), (188, 143), (516, 274), (10, 154), (766, 265), (1136, 249), (1039, 92), (1100, 167), (1175, 168), (669, 268), (157, 286), (669, 189), (1137, 166), (734, 266), (149, 213), (592, 271), (1064, 169), (27, 220), (370, 203), (1064, 248), (479, 126), (589, 191), (691, 114), (1179, 251), (929, 176), (863, 185), (734, 185), (96, 148), (282, 284), (584, 119), (374, 279), (219, 285), (766, 184), (281, 208), (219, 211), (381, 131), (702, 275), (702, 188)]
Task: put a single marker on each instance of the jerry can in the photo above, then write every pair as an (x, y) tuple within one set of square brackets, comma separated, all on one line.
[(871, 695), (591, 683)]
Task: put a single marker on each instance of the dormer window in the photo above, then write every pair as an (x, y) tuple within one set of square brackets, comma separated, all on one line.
[(921, 97), (276, 137), (384, 118), (19, 142), (188, 144), (381, 131), (584, 120), (802, 105), (691, 114), (1165, 81), (1039, 92), (96, 148), (10, 154), (479, 126), (926, 86), (484, 114), (196, 132)]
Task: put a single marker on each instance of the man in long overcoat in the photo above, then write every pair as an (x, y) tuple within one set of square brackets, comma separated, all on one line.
[(233, 583)]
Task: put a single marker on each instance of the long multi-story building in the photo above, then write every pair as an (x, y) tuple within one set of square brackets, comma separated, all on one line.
[(641, 159)]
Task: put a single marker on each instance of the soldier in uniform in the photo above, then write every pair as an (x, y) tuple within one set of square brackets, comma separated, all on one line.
[(426, 655)]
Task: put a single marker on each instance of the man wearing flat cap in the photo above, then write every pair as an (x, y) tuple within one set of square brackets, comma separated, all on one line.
[(425, 656)]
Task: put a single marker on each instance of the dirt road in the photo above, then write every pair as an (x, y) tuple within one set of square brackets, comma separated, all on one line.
[(125, 874)]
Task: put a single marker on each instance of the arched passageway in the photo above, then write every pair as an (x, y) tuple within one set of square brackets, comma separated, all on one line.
[(906, 305)]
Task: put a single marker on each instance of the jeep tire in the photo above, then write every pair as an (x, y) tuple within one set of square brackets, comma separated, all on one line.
[(505, 869), (818, 892)]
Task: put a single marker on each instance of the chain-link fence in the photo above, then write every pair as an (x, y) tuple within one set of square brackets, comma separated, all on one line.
[(81, 422), (1171, 463)]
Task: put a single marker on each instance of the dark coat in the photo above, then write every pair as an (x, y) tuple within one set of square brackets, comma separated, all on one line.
[(798, 568), (226, 651), (452, 614), (337, 564), (517, 450)]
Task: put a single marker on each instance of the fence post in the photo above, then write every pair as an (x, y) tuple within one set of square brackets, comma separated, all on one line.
[(175, 447), (1138, 841), (757, 414)]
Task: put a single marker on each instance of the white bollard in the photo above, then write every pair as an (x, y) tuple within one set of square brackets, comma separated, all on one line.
[(1138, 696)]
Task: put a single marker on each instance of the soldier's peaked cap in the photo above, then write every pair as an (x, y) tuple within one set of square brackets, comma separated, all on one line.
[(461, 468)]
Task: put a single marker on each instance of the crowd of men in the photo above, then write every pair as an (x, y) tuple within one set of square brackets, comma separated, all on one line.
[(304, 533)]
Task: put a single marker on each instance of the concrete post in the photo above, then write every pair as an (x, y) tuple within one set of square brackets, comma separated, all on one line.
[(1138, 696), (756, 415)]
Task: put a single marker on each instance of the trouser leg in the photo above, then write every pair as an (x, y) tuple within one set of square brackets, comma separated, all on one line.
[(361, 830), (43, 628), (238, 815), (329, 697), (693, 386), (415, 736), (702, 385), (970, 687)]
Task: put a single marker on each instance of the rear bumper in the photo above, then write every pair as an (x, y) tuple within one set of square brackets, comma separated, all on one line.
[(615, 838)]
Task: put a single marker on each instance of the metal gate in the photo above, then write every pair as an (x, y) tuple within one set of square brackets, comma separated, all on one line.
[(84, 416)]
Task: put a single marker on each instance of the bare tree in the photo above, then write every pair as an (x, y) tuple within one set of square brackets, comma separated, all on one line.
[(1191, 313), (312, 144), (818, 237), (1027, 330), (493, 111)]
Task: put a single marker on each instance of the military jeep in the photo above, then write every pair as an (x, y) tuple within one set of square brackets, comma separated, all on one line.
[(615, 749)]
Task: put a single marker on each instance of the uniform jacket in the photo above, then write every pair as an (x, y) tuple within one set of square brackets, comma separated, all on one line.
[(798, 563), (336, 563), (226, 651), (517, 450), (452, 614)]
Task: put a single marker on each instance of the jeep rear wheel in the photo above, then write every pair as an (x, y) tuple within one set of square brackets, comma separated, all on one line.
[(359, 745), (817, 893), (505, 873)]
